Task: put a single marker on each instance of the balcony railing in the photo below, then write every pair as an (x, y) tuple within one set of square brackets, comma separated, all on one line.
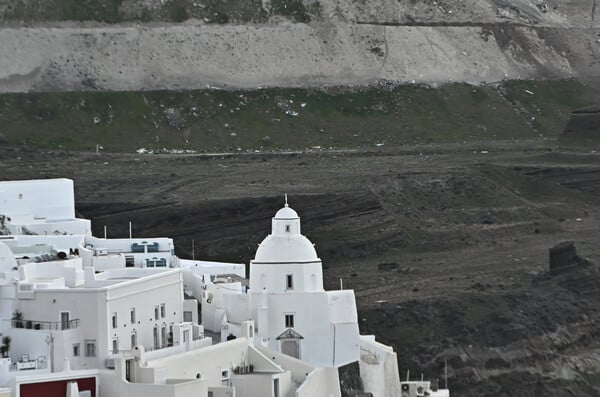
[(45, 325), (25, 363)]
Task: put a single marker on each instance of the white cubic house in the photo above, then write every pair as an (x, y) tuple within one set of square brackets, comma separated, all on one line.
[(88, 317)]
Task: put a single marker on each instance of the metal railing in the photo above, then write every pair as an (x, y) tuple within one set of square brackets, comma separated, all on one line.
[(45, 325)]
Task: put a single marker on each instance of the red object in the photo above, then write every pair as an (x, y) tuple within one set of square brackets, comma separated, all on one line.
[(57, 388)]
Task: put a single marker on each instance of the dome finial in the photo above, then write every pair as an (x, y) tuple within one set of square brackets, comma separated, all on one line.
[(286, 203)]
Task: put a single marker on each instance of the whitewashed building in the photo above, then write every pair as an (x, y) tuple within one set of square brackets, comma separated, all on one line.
[(88, 317)]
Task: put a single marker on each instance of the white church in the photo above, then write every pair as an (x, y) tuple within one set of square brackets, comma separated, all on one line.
[(88, 317), (292, 312)]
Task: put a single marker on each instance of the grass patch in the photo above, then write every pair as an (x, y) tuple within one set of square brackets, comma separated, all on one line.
[(548, 104), (65, 10), (115, 11), (270, 119)]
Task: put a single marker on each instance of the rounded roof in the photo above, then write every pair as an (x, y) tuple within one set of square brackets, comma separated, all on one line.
[(289, 246), (286, 249), (286, 213)]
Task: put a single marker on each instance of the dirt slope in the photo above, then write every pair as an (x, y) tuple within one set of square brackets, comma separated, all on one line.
[(446, 247), (334, 43)]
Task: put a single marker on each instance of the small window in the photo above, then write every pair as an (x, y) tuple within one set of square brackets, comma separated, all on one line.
[(287, 228), (163, 336), (114, 320), (75, 349), (276, 387), (187, 317), (163, 311), (289, 321), (132, 315), (156, 312), (289, 281), (90, 348), (115, 346), (133, 340)]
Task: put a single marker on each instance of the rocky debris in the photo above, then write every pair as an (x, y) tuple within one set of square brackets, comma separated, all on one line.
[(388, 266), (564, 258)]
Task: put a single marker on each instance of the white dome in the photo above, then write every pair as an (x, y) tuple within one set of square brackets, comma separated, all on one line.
[(286, 213), (286, 244), (286, 249)]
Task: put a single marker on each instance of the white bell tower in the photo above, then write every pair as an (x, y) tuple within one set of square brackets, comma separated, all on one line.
[(286, 261)]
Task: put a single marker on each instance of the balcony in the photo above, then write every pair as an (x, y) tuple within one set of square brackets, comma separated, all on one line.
[(45, 325), (26, 363)]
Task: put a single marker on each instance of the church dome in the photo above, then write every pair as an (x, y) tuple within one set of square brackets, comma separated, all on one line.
[(286, 213), (286, 244), (281, 249)]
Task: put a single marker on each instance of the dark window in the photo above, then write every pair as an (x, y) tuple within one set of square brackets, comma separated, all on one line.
[(289, 281), (289, 321), (90, 348)]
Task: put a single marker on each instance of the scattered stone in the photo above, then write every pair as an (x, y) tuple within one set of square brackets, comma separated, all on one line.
[(387, 266), (564, 258)]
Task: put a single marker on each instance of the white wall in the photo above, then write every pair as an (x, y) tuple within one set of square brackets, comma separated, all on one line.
[(307, 277), (114, 385), (29, 244), (32, 272), (299, 369), (31, 342), (321, 382), (79, 227), (315, 320), (213, 268), (94, 308), (379, 368), (165, 244), (53, 199), (261, 385), (145, 295), (209, 362)]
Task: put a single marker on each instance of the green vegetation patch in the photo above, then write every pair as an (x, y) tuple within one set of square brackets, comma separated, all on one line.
[(274, 119), (114, 11), (547, 105), (64, 10)]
